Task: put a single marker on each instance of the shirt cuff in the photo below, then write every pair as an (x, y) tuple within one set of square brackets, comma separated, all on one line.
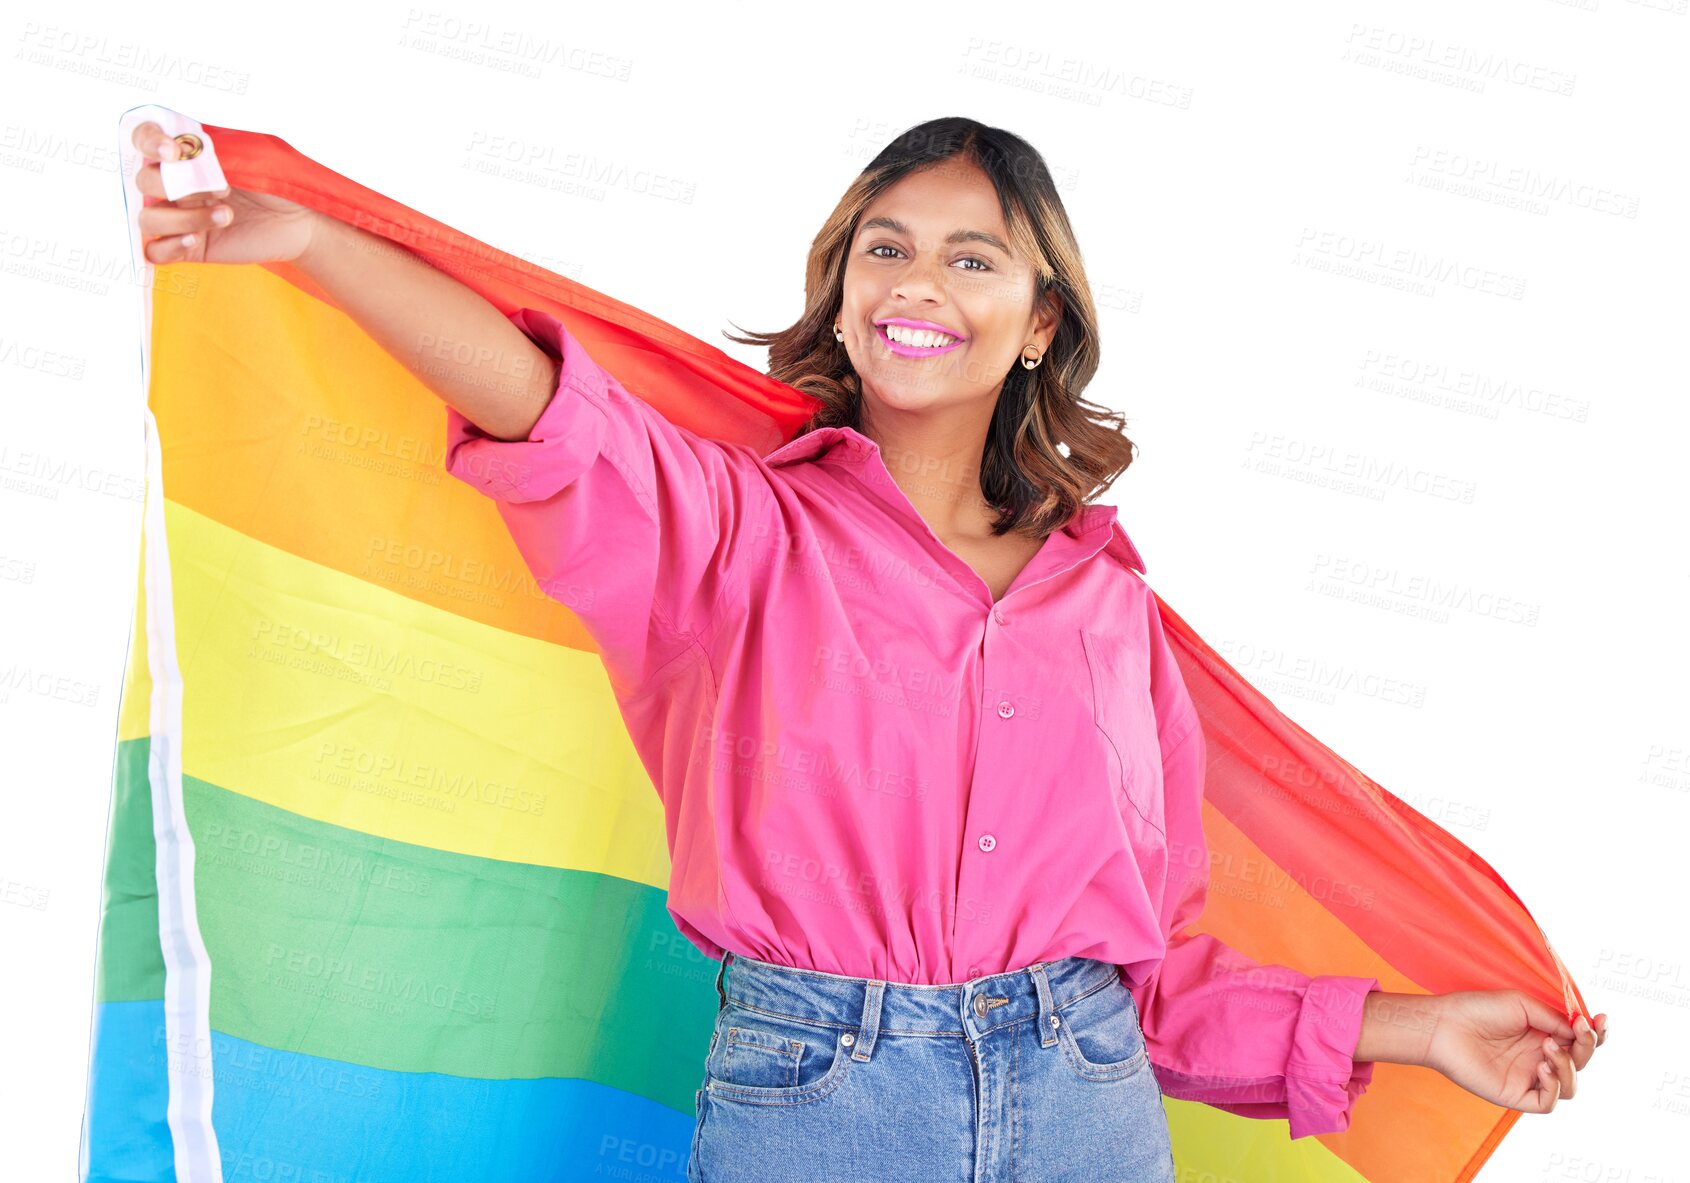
[(1322, 1079), (562, 444)]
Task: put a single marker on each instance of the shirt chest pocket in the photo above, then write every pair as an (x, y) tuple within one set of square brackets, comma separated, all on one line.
[(1119, 681)]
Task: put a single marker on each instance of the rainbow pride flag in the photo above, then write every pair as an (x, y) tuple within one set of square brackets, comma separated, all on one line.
[(385, 878)]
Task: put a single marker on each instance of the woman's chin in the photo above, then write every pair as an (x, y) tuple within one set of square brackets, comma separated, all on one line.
[(911, 402), (900, 390)]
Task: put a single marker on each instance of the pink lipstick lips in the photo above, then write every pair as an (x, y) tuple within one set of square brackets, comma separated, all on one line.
[(903, 350)]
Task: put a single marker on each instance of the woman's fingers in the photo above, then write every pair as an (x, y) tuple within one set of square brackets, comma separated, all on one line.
[(172, 230), (1584, 1042), (148, 180), (182, 234), (170, 218), (151, 184), (170, 250), (178, 233), (1546, 1018), (145, 138), (154, 143), (1549, 1086), (1561, 1060), (155, 146)]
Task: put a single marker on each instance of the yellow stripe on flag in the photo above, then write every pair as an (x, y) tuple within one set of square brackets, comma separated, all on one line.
[(339, 700)]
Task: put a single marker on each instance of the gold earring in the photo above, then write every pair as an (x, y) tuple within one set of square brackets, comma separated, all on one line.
[(1037, 358), (838, 333)]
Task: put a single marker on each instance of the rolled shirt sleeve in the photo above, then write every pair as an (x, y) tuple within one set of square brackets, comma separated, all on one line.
[(1260, 1041), (626, 518)]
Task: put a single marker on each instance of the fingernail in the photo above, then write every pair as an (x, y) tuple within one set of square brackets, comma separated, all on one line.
[(222, 214), (189, 240)]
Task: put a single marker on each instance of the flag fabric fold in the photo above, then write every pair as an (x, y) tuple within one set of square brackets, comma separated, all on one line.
[(385, 879)]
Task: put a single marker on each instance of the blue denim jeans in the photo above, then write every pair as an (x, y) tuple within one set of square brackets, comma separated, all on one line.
[(1037, 1075)]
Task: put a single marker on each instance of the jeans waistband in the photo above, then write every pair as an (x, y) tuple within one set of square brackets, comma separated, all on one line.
[(869, 1007)]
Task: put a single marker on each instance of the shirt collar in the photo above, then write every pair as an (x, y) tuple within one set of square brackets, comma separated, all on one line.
[(819, 442), (849, 446)]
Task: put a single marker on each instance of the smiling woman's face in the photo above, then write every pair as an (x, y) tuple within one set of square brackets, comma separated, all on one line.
[(933, 249)]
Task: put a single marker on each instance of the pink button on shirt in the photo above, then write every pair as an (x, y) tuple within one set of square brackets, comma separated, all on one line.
[(867, 766)]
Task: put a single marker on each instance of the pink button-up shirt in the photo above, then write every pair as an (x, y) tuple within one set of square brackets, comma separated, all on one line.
[(870, 768)]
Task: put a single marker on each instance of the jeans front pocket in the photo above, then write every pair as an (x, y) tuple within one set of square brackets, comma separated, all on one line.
[(1100, 1034), (764, 1058)]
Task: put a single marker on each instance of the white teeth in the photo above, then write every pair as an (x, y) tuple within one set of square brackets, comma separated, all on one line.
[(923, 338)]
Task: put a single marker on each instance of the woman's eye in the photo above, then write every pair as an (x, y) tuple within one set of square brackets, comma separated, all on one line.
[(883, 246)]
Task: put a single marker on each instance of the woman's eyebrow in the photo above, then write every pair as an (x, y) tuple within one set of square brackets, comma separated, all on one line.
[(898, 227)]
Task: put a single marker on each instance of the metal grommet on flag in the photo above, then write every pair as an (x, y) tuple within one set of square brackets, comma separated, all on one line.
[(195, 170)]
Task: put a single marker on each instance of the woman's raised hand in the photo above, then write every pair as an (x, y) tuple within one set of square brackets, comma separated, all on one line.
[(1510, 1048), (228, 226)]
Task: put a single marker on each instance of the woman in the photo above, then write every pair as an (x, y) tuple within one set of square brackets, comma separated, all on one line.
[(940, 824)]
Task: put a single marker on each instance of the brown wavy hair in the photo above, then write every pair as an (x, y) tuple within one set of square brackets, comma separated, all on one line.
[(1039, 411)]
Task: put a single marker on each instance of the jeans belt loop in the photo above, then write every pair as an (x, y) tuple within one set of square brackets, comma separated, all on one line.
[(1047, 1010), (870, 1025)]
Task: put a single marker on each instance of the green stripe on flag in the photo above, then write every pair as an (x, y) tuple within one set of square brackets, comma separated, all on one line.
[(334, 943), (130, 963)]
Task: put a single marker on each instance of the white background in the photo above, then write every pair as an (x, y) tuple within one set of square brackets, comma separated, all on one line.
[(1251, 185)]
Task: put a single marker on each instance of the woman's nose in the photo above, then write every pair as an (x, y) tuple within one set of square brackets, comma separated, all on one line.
[(922, 278)]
